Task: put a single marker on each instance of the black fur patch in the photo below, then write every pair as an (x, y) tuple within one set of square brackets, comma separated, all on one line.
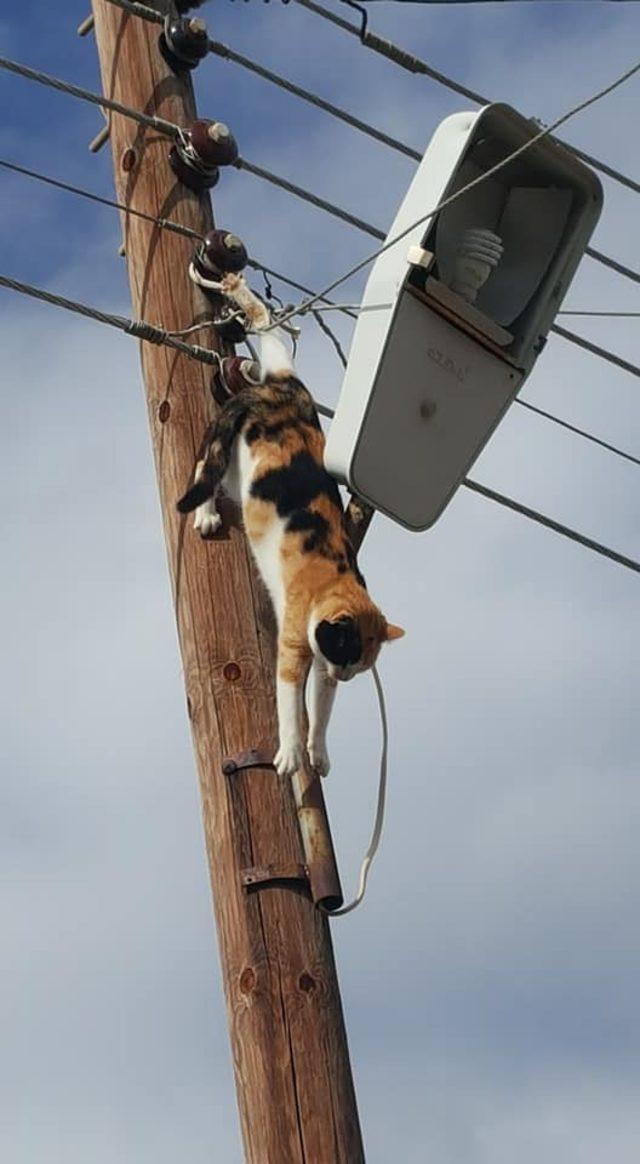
[(340, 641), (293, 487), (263, 430), (315, 524)]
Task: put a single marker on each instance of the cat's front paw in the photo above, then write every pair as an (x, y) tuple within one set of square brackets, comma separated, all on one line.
[(319, 757), (289, 757), (231, 282), (207, 520)]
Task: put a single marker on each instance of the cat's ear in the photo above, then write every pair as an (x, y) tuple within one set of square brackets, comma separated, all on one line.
[(394, 632)]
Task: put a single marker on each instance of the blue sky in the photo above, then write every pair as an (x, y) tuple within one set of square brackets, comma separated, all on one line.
[(490, 981)]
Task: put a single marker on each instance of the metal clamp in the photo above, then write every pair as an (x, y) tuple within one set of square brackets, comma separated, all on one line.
[(254, 758), (290, 876)]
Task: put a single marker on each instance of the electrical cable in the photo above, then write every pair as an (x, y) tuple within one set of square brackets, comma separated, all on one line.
[(522, 403), (217, 48), (307, 196), (147, 331), (550, 523), (580, 431), (470, 185), (162, 223), (614, 265), (351, 310), (608, 314), (413, 64), (157, 123), (176, 132), (222, 50), (136, 327), (596, 350), (324, 326), (378, 823)]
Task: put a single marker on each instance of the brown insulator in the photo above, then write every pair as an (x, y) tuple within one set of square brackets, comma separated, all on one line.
[(223, 252), (214, 143), (239, 373), (184, 42)]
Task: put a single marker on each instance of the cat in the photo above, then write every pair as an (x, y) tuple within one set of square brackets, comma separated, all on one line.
[(265, 449)]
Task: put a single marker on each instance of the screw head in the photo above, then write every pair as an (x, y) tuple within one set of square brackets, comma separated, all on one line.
[(427, 409), (218, 131)]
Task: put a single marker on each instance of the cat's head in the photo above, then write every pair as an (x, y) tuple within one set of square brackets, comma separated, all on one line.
[(349, 640)]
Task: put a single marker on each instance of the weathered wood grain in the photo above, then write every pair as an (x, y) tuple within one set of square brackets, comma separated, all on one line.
[(290, 1056)]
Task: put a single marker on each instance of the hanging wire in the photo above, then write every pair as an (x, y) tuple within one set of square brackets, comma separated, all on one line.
[(414, 64), (550, 523), (153, 334), (221, 50), (596, 350), (589, 436), (157, 123), (546, 131), (136, 327), (217, 48), (608, 314), (58, 184), (176, 132), (324, 326), (268, 273)]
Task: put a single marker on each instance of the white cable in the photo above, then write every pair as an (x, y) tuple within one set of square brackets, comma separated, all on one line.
[(378, 823), (307, 303)]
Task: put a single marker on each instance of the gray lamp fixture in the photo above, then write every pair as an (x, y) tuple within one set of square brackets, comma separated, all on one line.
[(468, 299)]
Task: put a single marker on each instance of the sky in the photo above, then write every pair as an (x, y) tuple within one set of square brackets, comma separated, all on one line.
[(490, 979)]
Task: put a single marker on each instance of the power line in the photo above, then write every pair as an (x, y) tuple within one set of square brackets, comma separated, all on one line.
[(580, 431), (550, 523), (607, 261), (224, 51), (316, 312), (307, 196), (174, 131), (153, 334), (157, 123), (414, 64), (350, 311), (161, 223), (135, 327), (596, 350), (217, 48), (547, 130), (58, 184), (168, 224)]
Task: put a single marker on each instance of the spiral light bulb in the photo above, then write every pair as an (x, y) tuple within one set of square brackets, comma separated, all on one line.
[(477, 255)]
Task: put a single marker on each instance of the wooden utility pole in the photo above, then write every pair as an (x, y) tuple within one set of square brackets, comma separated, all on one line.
[(293, 1077)]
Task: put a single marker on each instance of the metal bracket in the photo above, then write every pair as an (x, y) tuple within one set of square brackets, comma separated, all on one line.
[(254, 758), (293, 876)]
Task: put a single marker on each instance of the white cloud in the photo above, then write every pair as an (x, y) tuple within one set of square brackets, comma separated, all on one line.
[(489, 979)]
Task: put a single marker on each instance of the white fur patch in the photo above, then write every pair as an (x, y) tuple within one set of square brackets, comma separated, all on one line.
[(290, 754), (275, 357)]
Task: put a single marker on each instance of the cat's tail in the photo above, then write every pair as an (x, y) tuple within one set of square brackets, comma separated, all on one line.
[(206, 481)]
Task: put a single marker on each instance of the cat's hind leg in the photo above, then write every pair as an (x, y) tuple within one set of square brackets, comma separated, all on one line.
[(207, 520), (213, 462)]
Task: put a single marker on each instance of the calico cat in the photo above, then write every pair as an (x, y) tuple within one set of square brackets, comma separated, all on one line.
[(265, 449)]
